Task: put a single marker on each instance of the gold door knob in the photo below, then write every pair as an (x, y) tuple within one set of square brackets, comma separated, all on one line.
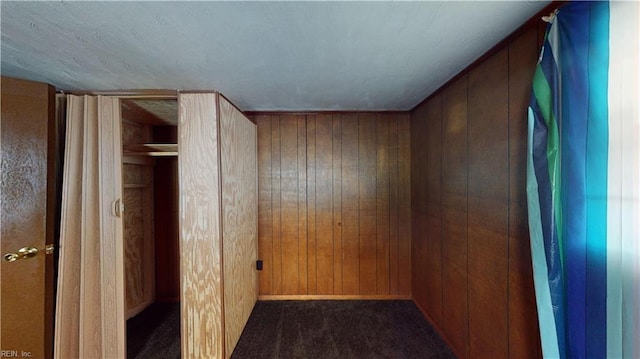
[(22, 253)]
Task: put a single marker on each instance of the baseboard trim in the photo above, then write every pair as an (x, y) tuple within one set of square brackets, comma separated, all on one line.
[(334, 297), (437, 328), (132, 312)]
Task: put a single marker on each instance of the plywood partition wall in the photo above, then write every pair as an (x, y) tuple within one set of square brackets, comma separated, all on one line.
[(137, 196), (334, 210), (202, 314), (218, 224), (239, 216), (472, 273)]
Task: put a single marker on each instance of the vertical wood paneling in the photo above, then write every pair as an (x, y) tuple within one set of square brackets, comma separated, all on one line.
[(488, 207), (324, 204), (312, 234), (419, 140), (476, 206), (338, 247), (265, 213), (289, 205), (434, 209), (524, 341), (350, 205), (276, 200), (302, 206), (367, 202), (382, 204), (404, 205), (454, 214), (335, 205), (200, 205), (394, 260), (239, 214)]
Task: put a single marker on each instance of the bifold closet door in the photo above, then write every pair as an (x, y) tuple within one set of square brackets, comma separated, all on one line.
[(90, 299)]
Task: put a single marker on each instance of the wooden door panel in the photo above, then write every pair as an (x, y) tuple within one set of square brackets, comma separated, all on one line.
[(27, 220)]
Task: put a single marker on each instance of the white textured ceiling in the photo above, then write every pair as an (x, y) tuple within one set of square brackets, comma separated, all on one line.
[(261, 55)]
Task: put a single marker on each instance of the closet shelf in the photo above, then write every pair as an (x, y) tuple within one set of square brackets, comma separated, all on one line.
[(151, 149)]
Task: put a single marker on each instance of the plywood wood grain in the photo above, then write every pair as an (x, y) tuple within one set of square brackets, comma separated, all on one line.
[(138, 226), (133, 249), (239, 219), (202, 314)]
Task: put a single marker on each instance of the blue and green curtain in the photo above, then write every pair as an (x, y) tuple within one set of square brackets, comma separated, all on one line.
[(583, 182)]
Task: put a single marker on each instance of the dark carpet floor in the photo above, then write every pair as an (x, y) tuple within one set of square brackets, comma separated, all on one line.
[(155, 332), (339, 329), (302, 329)]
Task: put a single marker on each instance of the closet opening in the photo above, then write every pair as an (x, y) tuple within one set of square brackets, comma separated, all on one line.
[(151, 230)]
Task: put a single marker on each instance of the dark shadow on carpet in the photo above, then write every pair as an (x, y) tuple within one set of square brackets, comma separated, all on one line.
[(339, 329), (155, 332)]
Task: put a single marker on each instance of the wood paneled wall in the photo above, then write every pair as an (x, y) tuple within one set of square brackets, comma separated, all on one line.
[(471, 270), (334, 208)]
